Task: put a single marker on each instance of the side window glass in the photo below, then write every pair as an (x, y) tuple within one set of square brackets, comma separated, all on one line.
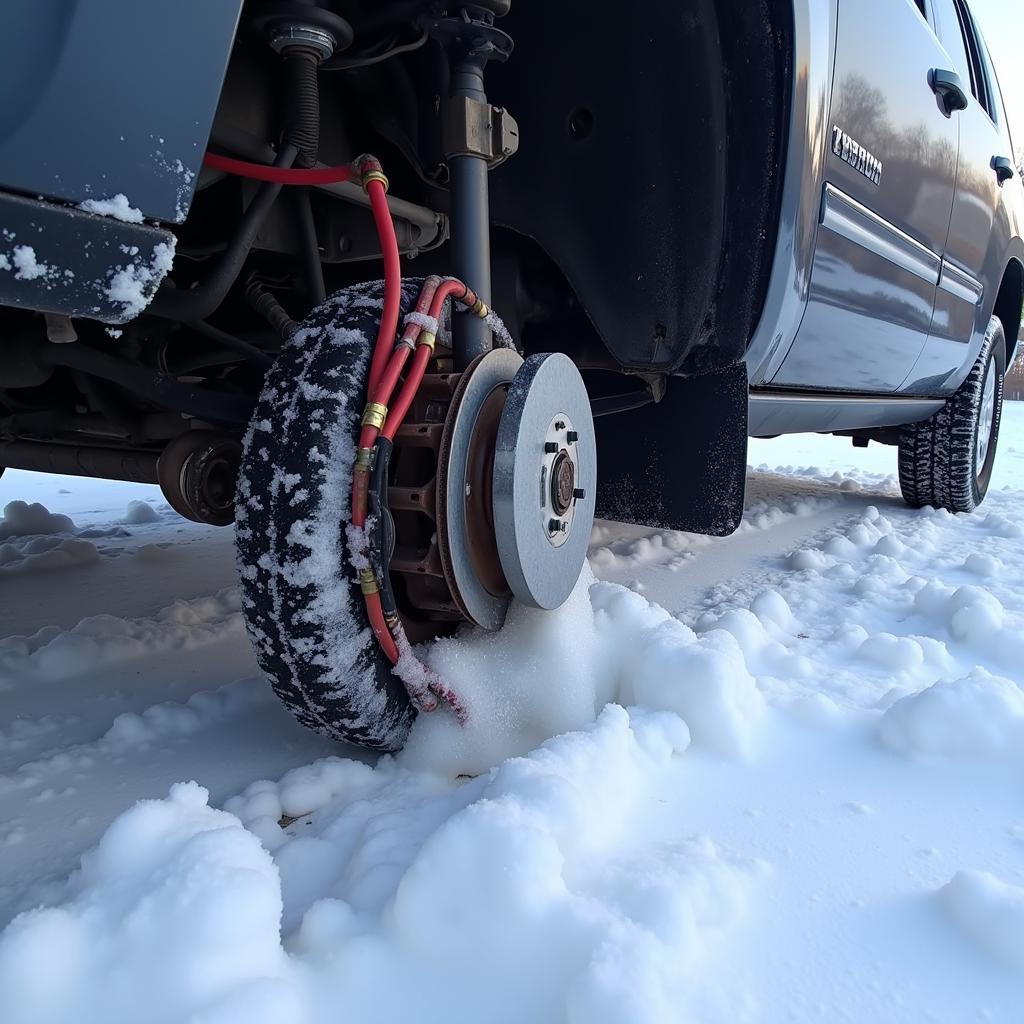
[(986, 94), (949, 32)]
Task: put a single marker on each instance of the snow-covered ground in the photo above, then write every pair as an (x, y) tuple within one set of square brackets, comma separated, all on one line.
[(776, 776)]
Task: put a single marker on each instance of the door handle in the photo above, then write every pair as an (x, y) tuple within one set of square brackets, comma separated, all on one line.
[(950, 90), (1003, 166)]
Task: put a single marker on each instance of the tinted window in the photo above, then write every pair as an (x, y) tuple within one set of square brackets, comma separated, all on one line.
[(981, 78), (948, 29)]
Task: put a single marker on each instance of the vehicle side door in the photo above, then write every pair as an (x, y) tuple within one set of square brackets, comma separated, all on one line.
[(979, 229), (890, 172)]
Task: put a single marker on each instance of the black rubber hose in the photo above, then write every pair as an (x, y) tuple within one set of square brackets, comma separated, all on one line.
[(157, 386), (199, 303), (229, 341), (310, 246), (302, 94), (267, 306), (382, 539)]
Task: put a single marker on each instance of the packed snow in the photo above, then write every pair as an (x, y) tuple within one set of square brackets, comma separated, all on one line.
[(774, 776), (117, 206)]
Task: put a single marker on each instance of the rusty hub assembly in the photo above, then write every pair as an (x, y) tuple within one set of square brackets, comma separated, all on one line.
[(492, 492)]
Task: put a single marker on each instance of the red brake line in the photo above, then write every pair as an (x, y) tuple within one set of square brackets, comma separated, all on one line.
[(280, 175), (387, 360)]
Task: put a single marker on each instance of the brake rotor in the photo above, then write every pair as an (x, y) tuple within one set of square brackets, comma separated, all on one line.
[(465, 523), (545, 480)]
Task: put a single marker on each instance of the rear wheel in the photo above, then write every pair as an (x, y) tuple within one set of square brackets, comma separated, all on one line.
[(946, 461), (490, 495)]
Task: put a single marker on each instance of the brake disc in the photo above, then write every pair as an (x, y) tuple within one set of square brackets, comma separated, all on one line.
[(545, 480), (465, 527)]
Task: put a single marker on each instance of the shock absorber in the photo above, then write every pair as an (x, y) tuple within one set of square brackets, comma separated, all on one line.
[(303, 33), (475, 136)]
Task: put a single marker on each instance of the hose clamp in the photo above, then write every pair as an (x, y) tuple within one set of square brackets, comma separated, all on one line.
[(374, 415), (427, 339), (364, 459), (479, 308), (368, 582), (374, 175)]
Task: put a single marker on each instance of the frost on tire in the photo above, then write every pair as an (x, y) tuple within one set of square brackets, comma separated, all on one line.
[(939, 462), (302, 606)]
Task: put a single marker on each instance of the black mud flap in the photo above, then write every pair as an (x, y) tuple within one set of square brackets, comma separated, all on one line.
[(679, 464)]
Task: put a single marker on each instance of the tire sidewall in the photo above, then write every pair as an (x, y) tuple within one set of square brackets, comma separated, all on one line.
[(995, 345)]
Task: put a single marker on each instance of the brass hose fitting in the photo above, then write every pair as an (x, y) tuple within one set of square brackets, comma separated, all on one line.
[(374, 415)]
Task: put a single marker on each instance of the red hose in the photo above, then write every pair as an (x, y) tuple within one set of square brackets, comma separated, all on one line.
[(279, 175), (380, 627), (413, 379), (392, 282)]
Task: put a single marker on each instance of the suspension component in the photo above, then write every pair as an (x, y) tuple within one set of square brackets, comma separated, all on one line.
[(197, 472), (471, 40)]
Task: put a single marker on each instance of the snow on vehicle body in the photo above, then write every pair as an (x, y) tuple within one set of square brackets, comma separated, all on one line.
[(771, 217)]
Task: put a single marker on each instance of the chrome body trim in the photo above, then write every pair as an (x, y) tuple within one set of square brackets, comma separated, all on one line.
[(961, 284), (845, 216)]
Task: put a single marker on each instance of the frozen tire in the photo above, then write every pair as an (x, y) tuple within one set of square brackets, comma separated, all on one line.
[(302, 606), (946, 461)]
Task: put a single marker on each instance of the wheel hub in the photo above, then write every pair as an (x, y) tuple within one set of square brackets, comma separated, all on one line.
[(545, 475), (510, 507)]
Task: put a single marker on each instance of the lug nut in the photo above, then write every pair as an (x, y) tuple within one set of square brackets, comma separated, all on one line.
[(556, 526), (572, 437), (550, 447), (579, 493), (559, 425)]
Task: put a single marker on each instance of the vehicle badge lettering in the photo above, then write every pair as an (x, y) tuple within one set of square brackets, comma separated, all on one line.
[(853, 153)]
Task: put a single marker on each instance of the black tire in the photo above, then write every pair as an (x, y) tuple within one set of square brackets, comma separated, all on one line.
[(302, 606), (938, 458)]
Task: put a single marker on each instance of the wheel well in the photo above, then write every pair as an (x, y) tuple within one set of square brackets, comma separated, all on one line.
[(1009, 304)]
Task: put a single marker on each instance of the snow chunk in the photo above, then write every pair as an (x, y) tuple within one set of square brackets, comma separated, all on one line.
[(116, 206), (981, 715), (21, 519), (134, 285), (140, 512), (28, 266), (173, 916), (990, 911)]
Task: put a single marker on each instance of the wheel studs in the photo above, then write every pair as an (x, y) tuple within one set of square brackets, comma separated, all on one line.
[(579, 493), (557, 526), (550, 447), (572, 436)]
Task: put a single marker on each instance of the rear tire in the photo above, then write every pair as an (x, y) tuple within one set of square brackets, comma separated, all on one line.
[(302, 606), (946, 461)]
